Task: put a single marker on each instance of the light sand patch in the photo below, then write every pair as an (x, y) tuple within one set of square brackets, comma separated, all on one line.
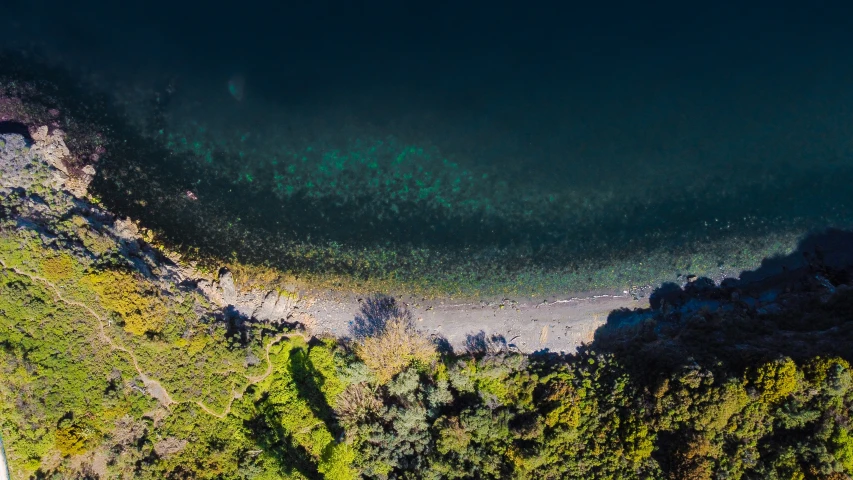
[(543, 336), (556, 324)]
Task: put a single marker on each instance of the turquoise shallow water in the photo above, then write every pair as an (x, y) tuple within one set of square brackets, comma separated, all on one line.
[(521, 150), (396, 198)]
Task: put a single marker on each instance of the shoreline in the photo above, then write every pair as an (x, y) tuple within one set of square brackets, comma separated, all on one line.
[(558, 324)]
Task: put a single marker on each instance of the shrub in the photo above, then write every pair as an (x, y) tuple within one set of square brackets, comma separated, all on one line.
[(336, 462), (395, 348), (140, 309), (70, 439), (58, 268), (322, 359), (776, 380), (833, 375), (357, 403)]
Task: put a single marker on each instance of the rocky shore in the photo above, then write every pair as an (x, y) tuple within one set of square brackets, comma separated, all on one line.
[(39, 191)]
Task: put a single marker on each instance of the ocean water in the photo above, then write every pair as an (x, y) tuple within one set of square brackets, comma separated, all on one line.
[(476, 148)]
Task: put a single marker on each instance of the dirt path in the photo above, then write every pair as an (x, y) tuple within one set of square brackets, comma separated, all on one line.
[(236, 394), (153, 387), (527, 325)]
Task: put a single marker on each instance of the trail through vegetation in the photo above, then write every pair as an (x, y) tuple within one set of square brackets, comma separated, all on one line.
[(154, 387)]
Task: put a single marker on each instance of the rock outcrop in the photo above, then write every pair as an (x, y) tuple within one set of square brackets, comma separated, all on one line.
[(38, 191), (260, 305)]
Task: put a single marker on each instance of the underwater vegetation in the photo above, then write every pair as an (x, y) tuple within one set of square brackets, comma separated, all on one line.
[(376, 211)]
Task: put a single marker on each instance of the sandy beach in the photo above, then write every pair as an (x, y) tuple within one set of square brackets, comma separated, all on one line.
[(557, 324)]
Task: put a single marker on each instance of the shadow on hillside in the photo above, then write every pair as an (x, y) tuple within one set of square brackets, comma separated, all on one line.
[(309, 382), (291, 458), (18, 129), (799, 305)]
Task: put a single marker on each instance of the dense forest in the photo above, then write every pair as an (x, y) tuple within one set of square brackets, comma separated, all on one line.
[(109, 375)]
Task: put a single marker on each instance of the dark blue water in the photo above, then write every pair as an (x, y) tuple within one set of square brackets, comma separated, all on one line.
[(566, 146)]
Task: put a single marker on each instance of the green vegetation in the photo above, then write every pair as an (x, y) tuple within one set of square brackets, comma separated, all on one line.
[(113, 367), (178, 399), (395, 348)]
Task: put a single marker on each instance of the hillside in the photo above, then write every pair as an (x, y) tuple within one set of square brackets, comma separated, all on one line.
[(120, 358)]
